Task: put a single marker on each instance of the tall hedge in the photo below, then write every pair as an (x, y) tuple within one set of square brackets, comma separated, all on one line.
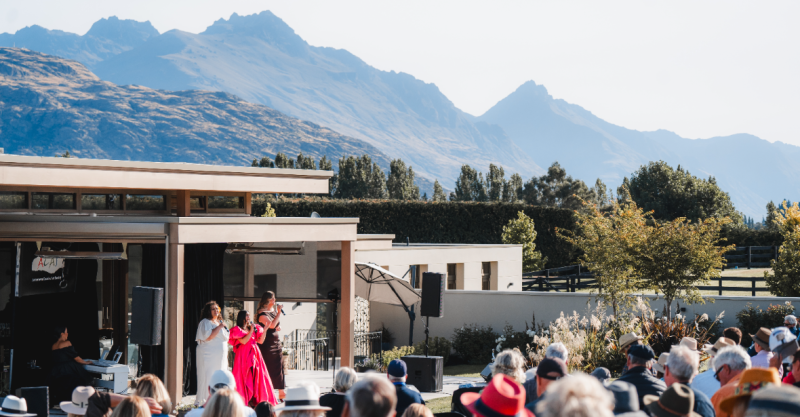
[(448, 222)]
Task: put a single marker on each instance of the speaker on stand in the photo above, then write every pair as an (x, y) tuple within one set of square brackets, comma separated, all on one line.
[(426, 372), (147, 315)]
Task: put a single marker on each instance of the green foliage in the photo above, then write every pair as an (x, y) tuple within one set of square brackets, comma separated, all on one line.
[(371, 363), (662, 333), (772, 216), (401, 182), (450, 222), (785, 280), (437, 346), (268, 211), (397, 352), (753, 318), (305, 162), (514, 339), (470, 185), (359, 178), (438, 193), (673, 193), (283, 161), (495, 180), (521, 231), (556, 189), (512, 189), (474, 343)]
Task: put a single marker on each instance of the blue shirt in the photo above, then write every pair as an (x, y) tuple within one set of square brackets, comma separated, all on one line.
[(405, 397)]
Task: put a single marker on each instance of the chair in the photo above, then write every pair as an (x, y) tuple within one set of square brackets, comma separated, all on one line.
[(456, 406)]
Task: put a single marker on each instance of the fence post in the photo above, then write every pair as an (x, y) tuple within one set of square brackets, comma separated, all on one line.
[(720, 285), (572, 283), (749, 256), (547, 273), (579, 275), (754, 286)]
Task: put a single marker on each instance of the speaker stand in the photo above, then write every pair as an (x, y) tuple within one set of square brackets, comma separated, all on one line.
[(427, 324)]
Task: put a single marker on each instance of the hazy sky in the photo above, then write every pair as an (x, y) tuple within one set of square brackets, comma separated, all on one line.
[(699, 68)]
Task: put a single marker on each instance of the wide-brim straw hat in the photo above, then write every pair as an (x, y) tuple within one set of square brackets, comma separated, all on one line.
[(721, 343), (676, 401), (303, 397), (80, 401), (662, 360), (762, 337), (689, 342), (628, 339), (751, 381)]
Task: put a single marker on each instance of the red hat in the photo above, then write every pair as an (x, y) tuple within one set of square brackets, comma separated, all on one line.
[(502, 397)]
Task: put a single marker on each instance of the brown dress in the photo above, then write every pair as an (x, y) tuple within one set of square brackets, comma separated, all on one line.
[(272, 351)]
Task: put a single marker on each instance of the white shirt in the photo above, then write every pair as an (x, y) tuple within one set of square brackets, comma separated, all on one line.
[(706, 383), (198, 412), (761, 360)]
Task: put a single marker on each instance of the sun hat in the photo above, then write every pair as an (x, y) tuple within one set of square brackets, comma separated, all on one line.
[(676, 401), (626, 399), (627, 339), (689, 342), (761, 337), (397, 368), (302, 397), (14, 406), (222, 377), (783, 342), (80, 401), (751, 381), (662, 360), (721, 343), (642, 352), (775, 401), (502, 397)]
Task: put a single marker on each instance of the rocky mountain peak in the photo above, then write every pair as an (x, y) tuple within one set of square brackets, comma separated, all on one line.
[(265, 26), (125, 31)]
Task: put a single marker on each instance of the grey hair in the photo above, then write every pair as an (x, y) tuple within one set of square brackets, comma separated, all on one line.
[(683, 363), (733, 356), (557, 350), (637, 361), (344, 379), (372, 396), (578, 396), (510, 362)]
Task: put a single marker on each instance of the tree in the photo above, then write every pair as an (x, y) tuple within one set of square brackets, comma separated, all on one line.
[(785, 280), (611, 245), (673, 193), (679, 255), (438, 193), (305, 162), (512, 189), (360, 178), (265, 162), (772, 217), (326, 164), (401, 181), (283, 161), (495, 180), (470, 185), (521, 231), (600, 197), (556, 189)]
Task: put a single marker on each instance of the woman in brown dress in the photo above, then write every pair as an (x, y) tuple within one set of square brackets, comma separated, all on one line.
[(269, 317)]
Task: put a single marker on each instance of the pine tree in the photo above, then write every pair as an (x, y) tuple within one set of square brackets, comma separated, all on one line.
[(438, 193), (512, 189), (465, 184), (401, 182), (495, 180), (772, 216), (305, 162), (265, 162), (283, 161)]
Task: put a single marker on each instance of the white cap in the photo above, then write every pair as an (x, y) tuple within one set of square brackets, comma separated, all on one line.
[(221, 377)]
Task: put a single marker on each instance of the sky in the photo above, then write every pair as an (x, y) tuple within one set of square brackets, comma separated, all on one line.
[(700, 69)]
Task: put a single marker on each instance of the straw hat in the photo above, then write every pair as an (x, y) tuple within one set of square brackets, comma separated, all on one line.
[(775, 401), (762, 337), (15, 407), (662, 360), (80, 401), (503, 396), (722, 342), (303, 397), (690, 343), (676, 401), (751, 381), (628, 339)]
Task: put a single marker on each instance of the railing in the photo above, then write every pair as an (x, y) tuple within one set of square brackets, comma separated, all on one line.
[(752, 289), (308, 354), (312, 349), (366, 344), (751, 256)]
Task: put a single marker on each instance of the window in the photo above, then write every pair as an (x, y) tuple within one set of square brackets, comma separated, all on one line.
[(101, 202), (52, 201), (418, 270), (451, 276), (221, 202), (145, 202), (11, 201), (196, 203), (486, 275)]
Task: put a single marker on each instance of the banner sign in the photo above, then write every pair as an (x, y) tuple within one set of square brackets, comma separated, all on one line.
[(37, 275)]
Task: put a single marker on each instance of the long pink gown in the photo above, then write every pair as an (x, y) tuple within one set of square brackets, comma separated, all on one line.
[(249, 369)]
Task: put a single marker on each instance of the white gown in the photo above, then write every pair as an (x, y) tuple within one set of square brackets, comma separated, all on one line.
[(211, 356)]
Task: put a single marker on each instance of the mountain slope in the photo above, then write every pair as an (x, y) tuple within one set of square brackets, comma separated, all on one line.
[(261, 59), (49, 105), (752, 170)]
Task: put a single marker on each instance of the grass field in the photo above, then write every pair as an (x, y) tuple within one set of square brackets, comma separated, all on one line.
[(439, 405), (464, 370)]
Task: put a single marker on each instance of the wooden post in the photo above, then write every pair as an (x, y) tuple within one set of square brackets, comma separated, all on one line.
[(347, 306), (720, 285), (749, 256), (579, 275), (184, 203), (174, 320), (754, 285), (248, 203)]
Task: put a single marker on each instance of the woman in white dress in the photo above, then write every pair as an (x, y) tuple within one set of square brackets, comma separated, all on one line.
[(212, 348)]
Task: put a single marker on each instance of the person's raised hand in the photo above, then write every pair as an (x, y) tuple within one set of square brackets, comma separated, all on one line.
[(155, 407), (775, 361), (279, 307)]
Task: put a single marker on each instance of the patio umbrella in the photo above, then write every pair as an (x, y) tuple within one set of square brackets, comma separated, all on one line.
[(374, 283)]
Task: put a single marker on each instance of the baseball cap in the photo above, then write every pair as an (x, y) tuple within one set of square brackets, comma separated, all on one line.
[(397, 368), (550, 366), (221, 378), (642, 352)]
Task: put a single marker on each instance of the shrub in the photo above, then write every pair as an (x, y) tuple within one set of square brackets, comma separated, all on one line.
[(397, 352), (437, 346), (474, 343), (753, 318), (370, 364), (661, 333)]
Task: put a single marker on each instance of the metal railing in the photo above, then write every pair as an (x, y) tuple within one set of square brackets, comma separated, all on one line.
[(308, 354), (367, 343), (315, 349)]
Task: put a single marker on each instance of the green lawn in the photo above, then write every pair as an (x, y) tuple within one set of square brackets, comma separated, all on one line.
[(439, 405), (464, 370)]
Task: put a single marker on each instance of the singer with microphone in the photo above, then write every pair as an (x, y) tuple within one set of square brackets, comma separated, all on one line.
[(212, 348), (249, 371), (269, 317)]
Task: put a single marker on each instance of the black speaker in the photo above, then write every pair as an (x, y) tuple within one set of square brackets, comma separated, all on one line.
[(425, 373), (146, 315), (37, 398), (432, 294)]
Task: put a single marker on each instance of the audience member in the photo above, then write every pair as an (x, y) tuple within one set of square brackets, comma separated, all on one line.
[(548, 371), (681, 368), (707, 382), (344, 379), (752, 380), (729, 364), (763, 353), (689, 342), (397, 373), (793, 376), (577, 396), (733, 333), (14, 406), (625, 342), (220, 379), (133, 406), (79, 403), (602, 374), (224, 402), (555, 350), (659, 366), (626, 400), (510, 362), (775, 401), (149, 386), (790, 322), (101, 404), (302, 401), (417, 410), (265, 409), (677, 400), (783, 344), (371, 397), (640, 361), (502, 396)]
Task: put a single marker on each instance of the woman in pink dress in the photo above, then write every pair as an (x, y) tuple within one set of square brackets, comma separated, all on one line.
[(249, 369)]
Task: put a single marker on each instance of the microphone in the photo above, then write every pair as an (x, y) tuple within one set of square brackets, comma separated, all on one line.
[(282, 310)]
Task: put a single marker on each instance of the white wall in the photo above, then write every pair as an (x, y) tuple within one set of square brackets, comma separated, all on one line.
[(496, 308)]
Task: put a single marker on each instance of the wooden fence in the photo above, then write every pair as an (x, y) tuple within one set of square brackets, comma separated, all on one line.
[(751, 257)]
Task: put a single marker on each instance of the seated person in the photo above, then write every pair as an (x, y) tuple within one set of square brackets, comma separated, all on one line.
[(150, 386), (67, 372)]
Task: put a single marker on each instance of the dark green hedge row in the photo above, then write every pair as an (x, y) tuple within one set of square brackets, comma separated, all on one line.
[(450, 222), (749, 237)]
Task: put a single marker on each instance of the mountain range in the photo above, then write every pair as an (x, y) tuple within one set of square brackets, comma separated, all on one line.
[(262, 60)]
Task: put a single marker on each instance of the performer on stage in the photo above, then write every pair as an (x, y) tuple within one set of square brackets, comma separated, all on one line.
[(269, 316), (212, 348), (249, 370), (68, 371)]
